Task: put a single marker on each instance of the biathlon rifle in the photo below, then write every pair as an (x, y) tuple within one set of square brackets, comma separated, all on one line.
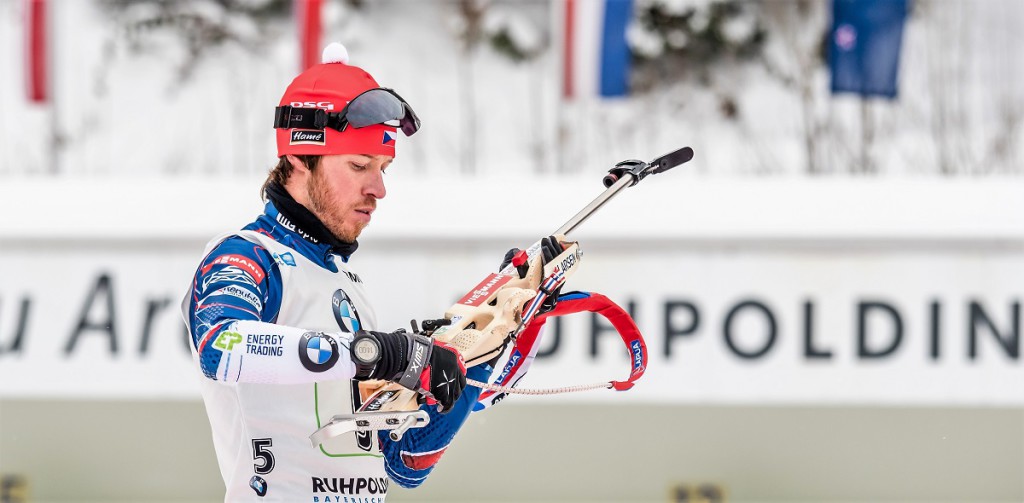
[(498, 309)]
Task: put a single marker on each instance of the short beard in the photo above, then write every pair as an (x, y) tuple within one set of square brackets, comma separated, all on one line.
[(318, 199)]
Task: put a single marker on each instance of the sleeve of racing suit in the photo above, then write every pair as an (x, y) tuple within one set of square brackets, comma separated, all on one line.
[(409, 461), (233, 306)]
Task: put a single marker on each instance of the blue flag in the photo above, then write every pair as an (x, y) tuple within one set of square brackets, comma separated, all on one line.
[(864, 46), (615, 55)]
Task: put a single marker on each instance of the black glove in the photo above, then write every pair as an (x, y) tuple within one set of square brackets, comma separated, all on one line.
[(550, 248), (427, 366)]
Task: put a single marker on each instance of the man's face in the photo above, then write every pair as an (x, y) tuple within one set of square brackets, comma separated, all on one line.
[(343, 191)]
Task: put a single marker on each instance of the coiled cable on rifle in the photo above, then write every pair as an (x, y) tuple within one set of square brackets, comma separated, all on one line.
[(547, 391)]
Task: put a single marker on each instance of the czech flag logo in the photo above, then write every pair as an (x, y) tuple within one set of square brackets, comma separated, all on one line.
[(389, 137)]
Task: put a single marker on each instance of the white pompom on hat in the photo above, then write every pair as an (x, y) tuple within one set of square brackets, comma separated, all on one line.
[(334, 53)]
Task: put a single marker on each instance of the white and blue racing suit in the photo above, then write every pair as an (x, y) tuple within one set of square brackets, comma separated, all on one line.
[(271, 313)]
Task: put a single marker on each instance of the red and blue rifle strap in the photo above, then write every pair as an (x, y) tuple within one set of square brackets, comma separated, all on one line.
[(525, 346)]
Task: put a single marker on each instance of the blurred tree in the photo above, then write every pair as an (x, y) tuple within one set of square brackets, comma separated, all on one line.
[(502, 27), (516, 31), (800, 27), (203, 26), (513, 35), (672, 43), (469, 29), (707, 46)]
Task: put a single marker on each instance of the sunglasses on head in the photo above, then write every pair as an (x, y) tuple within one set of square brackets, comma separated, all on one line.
[(371, 107)]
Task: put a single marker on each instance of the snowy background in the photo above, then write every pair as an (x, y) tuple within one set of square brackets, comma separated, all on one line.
[(154, 88), (157, 136)]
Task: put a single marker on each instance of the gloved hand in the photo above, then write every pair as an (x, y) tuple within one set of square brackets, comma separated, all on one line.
[(550, 248), (427, 366)]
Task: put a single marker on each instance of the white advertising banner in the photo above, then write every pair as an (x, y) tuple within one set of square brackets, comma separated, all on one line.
[(741, 323)]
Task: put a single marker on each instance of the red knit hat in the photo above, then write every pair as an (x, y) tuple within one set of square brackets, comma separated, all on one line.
[(330, 86)]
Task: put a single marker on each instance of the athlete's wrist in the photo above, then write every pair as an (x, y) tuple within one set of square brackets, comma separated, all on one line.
[(378, 355)]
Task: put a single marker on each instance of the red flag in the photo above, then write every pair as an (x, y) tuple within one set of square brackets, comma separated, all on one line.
[(567, 49), (307, 13), (36, 56)]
